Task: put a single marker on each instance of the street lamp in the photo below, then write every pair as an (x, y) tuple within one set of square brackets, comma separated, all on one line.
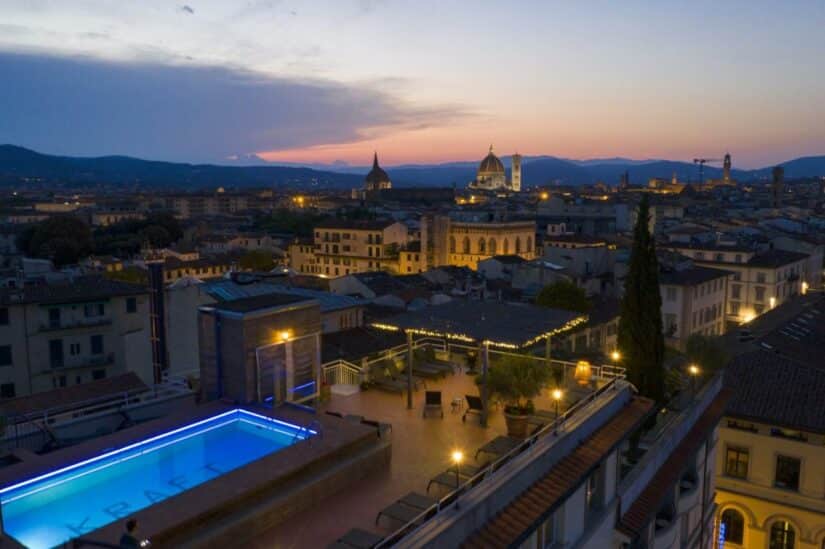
[(694, 372), (557, 394), (284, 335), (616, 356), (773, 302), (457, 456)]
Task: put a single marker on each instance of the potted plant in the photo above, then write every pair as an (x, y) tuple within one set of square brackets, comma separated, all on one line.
[(517, 381)]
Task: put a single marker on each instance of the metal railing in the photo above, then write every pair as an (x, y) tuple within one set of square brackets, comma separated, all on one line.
[(341, 372), (22, 426), (491, 470)]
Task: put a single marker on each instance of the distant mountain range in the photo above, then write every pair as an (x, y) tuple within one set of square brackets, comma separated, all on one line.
[(20, 166)]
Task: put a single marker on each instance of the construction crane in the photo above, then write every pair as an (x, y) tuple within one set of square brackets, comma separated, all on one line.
[(701, 162)]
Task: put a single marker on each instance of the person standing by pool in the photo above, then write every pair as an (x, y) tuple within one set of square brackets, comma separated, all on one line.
[(128, 540)]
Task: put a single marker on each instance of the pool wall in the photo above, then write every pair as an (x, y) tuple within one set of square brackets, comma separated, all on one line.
[(240, 503)]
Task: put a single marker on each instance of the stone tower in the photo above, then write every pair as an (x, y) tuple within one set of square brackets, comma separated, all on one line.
[(515, 176), (726, 168), (777, 186)]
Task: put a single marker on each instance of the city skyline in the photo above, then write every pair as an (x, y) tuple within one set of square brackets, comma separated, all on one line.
[(203, 82)]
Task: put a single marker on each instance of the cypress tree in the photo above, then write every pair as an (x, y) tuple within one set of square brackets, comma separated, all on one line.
[(640, 336)]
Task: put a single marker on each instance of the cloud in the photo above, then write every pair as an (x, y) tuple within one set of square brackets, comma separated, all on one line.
[(187, 9), (184, 112)]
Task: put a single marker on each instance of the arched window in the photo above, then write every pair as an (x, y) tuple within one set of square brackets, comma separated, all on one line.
[(466, 245), (518, 245), (734, 525), (506, 246), (482, 245), (452, 244), (782, 535), (492, 246), (529, 248)]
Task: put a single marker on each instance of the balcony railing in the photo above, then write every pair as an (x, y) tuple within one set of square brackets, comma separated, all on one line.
[(84, 362), (75, 324)]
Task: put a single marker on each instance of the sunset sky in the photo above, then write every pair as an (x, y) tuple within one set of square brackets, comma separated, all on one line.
[(418, 81)]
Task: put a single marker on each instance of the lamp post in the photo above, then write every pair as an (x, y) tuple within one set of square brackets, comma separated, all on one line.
[(557, 394), (616, 356), (694, 372), (457, 457)]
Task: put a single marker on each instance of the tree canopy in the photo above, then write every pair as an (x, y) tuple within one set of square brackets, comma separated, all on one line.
[(65, 239), (640, 336), (257, 260), (707, 352), (564, 295)]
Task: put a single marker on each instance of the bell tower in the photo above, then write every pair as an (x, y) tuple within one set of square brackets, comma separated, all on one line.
[(515, 176)]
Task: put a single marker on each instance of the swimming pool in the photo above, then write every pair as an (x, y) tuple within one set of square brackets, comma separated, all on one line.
[(70, 502)]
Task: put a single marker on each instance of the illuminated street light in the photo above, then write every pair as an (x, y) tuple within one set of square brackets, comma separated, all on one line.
[(694, 372), (557, 394), (773, 302), (285, 335), (616, 356), (804, 288), (457, 456), (545, 195)]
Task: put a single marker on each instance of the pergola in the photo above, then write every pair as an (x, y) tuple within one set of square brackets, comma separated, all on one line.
[(485, 323)]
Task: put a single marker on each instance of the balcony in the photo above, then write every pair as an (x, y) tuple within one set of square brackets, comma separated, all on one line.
[(74, 363), (75, 324)]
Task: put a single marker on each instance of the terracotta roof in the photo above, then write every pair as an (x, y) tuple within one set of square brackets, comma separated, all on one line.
[(648, 502), (491, 164), (777, 390), (535, 504), (78, 290), (66, 397)]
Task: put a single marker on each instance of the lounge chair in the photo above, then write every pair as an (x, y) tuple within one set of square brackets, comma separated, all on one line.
[(422, 371), (381, 379), (499, 446), (474, 406), (358, 539), (440, 365), (407, 509), (432, 403), (448, 477)]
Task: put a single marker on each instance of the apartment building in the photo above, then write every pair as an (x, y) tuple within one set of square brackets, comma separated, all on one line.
[(342, 247), (760, 281), (72, 332), (771, 460), (693, 302), (187, 206)]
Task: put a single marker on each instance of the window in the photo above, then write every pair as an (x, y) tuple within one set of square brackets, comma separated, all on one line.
[(56, 353), (670, 324), (720, 257), (74, 349), (739, 258), (93, 309), (736, 462), (734, 526), (782, 535), (97, 344), (760, 278), (670, 293), (736, 291), (4, 316), (131, 305), (787, 473), (465, 245), (734, 309), (737, 276), (54, 318), (492, 247), (452, 244), (5, 355), (7, 390), (760, 293)]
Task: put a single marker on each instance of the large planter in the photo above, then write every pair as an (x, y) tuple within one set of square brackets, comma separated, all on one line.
[(517, 425)]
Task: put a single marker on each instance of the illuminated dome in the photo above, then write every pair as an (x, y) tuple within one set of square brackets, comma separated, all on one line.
[(491, 165)]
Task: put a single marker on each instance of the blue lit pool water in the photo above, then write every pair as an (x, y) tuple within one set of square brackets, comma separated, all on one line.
[(50, 509)]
